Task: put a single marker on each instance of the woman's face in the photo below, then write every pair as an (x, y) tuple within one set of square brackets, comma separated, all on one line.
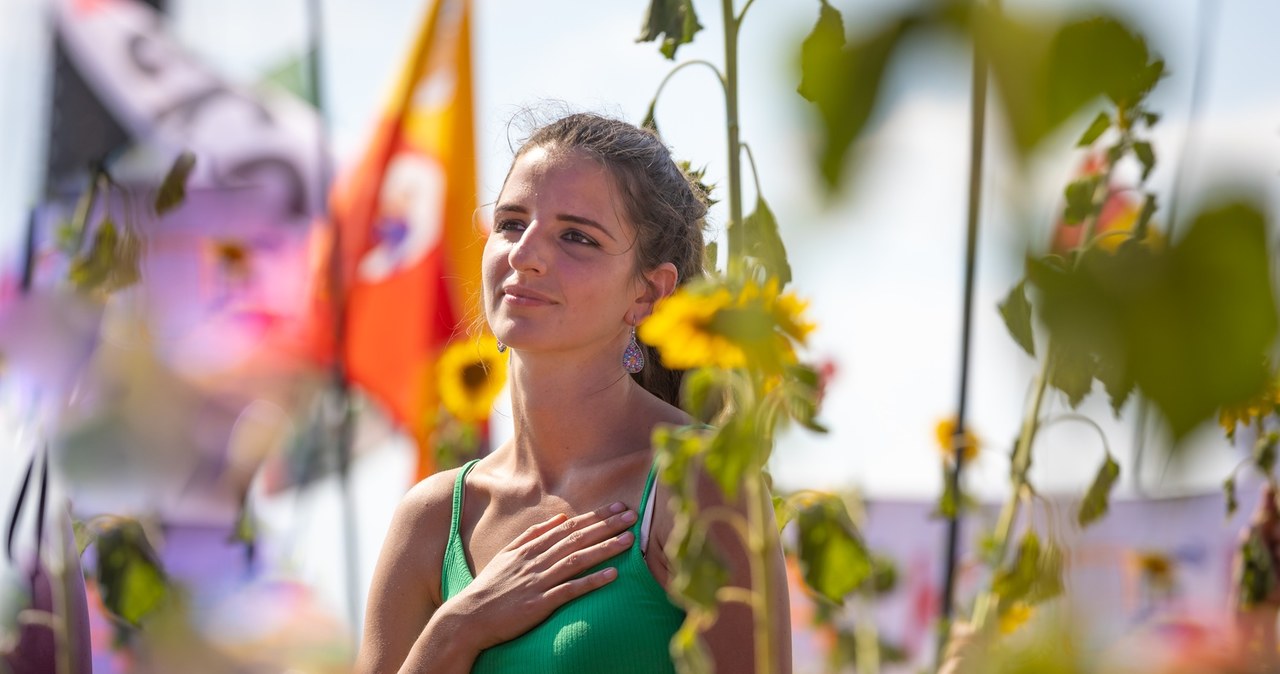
[(559, 265)]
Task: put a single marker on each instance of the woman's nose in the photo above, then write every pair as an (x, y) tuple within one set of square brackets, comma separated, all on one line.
[(527, 254)]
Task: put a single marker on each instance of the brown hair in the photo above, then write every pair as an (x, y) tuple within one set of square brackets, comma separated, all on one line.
[(667, 208)]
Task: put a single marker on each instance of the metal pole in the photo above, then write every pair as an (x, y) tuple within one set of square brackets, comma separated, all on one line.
[(337, 295), (978, 108)]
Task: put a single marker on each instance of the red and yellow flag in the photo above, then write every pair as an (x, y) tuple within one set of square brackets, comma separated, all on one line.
[(409, 251)]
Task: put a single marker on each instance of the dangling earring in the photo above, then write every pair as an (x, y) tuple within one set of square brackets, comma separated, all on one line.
[(633, 357), (502, 348)]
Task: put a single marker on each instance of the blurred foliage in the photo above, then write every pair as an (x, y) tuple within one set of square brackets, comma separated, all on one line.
[(1045, 72), (129, 572), (672, 22)]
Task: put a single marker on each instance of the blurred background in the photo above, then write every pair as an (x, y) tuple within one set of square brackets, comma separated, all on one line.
[(189, 401)]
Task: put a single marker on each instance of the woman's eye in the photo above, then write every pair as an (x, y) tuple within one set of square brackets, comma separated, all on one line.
[(578, 237), (508, 226)]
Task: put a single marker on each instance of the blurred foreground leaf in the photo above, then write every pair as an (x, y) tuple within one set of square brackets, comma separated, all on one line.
[(1016, 312), (173, 189), (1095, 502), (833, 557), (133, 584), (765, 243), (1189, 325)]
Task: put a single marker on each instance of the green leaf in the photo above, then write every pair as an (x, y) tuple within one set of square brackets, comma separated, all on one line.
[(797, 397), (688, 651), (710, 256), (1149, 118), (1146, 156), (1016, 311), (735, 450), (833, 558), (700, 573), (702, 394), (1079, 199), (1098, 56), (1113, 372), (1096, 499), (674, 21), (764, 243), (84, 535), (1264, 452), (843, 82), (650, 120), (1099, 126), (1144, 217), (1191, 322), (173, 189), (1257, 573), (1035, 575), (783, 511), (133, 584), (1229, 493), (1072, 371), (884, 575), (676, 448)]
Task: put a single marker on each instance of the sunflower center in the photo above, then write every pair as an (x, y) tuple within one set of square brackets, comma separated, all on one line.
[(474, 377)]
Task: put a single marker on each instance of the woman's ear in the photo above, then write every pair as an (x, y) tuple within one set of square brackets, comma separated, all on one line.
[(658, 283)]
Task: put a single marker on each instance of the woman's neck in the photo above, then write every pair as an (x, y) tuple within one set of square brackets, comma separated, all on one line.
[(569, 413)]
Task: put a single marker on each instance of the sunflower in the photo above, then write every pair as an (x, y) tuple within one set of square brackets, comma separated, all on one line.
[(946, 434), (471, 373), (713, 324)]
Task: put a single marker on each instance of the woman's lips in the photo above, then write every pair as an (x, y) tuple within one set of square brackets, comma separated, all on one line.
[(526, 297)]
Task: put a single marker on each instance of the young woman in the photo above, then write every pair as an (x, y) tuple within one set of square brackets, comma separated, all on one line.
[(548, 555)]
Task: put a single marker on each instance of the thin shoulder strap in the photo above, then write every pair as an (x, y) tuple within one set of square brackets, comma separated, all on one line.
[(458, 490), (644, 518)]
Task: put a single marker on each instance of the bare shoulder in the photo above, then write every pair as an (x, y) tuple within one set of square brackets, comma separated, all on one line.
[(419, 532)]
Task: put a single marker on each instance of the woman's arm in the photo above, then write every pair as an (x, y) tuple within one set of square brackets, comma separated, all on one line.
[(408, 628)]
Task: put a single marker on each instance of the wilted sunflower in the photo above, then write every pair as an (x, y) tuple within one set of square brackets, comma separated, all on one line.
[(471, 373), (713, 324)]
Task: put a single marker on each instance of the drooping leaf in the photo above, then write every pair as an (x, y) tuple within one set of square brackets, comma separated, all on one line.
[(1097, 56), (843, 80), (1097, 498), (1264, 452), (650, 120), (1099, 126), (700, 572), (1192, 322), (1072, 370), (711, 256), (1257, 572), (1113, 372), (1229, 493), (133, 584), (674, 22), (688, 651), (735, 450), (1144, 217), (1146, 156), (800, 393), (173, 189), (1016, 311), (833, 558), (1034, 575), (1079, 199), (764, 243)]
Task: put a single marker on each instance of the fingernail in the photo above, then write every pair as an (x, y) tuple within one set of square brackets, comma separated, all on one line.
[(617, 507), (610, 572), (625, 537), (629, 516)]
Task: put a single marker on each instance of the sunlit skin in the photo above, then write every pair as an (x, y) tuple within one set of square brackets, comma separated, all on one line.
[(562, 289)]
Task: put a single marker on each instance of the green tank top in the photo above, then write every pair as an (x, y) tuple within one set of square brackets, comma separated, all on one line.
[(623, 627)]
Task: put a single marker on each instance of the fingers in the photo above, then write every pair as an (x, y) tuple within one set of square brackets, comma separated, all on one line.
[(581, 532), (572, 589), (575, 562), (537, 530)]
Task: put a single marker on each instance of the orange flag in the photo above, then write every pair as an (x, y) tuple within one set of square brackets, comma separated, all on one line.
[(410, 253)]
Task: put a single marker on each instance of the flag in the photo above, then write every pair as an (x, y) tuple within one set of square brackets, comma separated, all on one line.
[(409, 253)]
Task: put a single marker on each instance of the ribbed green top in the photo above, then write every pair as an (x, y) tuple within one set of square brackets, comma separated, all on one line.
[(624, 627)]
